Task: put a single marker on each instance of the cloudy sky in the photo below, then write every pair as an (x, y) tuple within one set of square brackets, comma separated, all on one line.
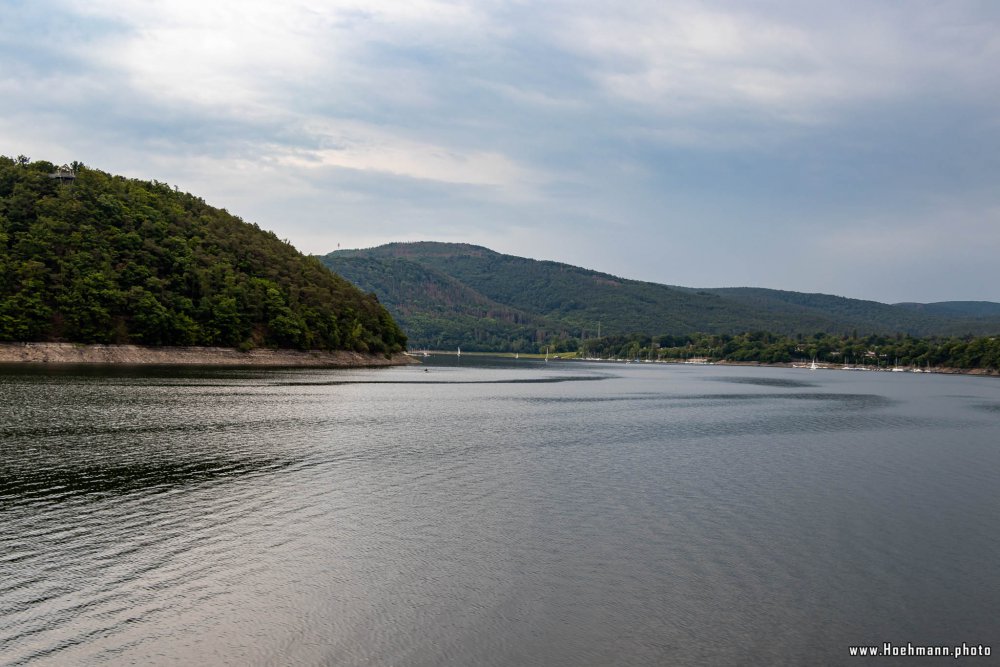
[(850, 148)]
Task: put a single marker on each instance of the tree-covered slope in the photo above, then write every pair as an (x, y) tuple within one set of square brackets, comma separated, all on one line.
[(556, 301), (105, 259), (436, 310), (570, 297)]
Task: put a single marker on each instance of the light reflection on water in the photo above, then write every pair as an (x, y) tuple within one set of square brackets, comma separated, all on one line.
[(493, 513)]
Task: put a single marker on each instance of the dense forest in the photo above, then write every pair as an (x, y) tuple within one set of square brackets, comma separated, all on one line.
[(447, 295), (88, 257), (442, 313), (858, 351)]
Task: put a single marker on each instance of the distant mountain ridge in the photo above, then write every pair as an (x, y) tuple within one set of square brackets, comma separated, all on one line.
[(446, 294)]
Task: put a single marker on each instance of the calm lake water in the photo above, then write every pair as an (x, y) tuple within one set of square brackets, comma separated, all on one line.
[(495, 513)]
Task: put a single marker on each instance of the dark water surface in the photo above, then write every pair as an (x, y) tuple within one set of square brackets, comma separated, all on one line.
[(495, 513)]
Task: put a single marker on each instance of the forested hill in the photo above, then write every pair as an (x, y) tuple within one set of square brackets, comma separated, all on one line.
[(93, 258), (446, 295)]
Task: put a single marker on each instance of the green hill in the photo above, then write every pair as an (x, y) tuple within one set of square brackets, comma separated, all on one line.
[(455, 294), (439, 311), (96, 258)]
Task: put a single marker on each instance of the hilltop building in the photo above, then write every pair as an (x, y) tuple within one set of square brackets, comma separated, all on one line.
[(64, 174)]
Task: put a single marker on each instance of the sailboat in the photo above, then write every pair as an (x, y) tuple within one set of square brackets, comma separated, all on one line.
[(814, 366)]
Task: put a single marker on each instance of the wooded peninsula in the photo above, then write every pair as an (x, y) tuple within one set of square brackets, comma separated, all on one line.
[(88, 257)]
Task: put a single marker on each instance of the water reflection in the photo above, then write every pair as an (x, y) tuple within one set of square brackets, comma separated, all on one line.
[(836, 400), (553, 379), (765, 381)]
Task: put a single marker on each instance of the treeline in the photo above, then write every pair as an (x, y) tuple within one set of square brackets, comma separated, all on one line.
[(105, 259), (875, 351)]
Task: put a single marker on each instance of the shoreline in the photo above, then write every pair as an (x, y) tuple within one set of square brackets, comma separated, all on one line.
[(138, 355), (940, 370)]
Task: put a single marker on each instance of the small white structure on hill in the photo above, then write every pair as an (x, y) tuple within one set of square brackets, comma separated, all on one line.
[(64, 174)]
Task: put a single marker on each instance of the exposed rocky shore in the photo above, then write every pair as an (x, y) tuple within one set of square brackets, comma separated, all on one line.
[(70, 353)]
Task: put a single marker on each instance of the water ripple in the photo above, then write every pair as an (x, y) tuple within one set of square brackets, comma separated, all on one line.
[(765, 381)]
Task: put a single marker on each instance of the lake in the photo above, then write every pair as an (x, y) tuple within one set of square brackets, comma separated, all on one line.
[(494, 512)]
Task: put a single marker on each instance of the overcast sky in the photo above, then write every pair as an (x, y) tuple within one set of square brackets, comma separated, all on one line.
[(851, 148)]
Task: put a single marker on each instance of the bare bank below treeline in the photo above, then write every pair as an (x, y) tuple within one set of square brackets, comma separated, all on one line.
[(70, 353)]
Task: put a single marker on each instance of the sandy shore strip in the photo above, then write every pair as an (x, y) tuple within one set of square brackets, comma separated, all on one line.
[(71, 353)]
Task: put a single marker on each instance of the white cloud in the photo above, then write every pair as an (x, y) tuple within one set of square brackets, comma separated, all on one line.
[(223, 56), (368, 148), (302, 67), (246, 56), (681, 59)]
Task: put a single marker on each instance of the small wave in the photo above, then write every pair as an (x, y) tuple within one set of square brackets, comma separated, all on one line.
[(546, 380), (123, 478), (764, 382)]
